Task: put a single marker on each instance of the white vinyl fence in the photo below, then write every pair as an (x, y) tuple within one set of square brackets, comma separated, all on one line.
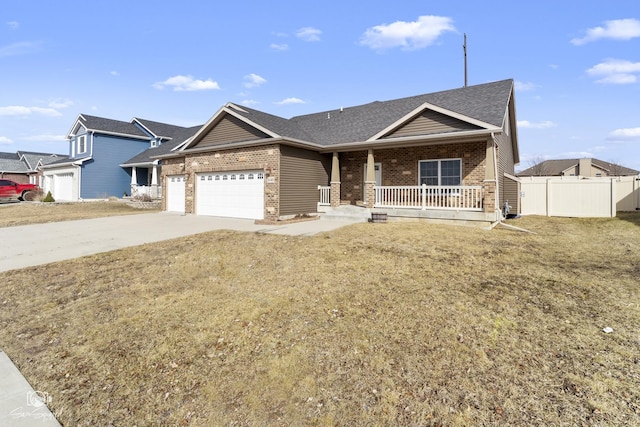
[(578, 197)]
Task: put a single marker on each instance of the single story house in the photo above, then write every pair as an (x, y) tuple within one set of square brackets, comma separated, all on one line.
[(589, 168), (25, 167), (440, 155)]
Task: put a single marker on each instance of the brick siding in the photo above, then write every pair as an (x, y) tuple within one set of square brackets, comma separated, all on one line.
[(265, 158), (400, 165)]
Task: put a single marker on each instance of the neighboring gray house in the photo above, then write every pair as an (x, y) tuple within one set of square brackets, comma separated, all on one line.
[(26, 166), (99, 149), (586, 167), (442, 155)]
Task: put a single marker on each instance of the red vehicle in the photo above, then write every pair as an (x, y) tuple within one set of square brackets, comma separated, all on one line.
[(12, 190)]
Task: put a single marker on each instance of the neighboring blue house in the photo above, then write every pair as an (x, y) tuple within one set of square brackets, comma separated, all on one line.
[(100, 149)]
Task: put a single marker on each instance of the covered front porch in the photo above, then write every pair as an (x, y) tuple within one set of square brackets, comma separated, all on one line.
[(448, 182), (144, 181)]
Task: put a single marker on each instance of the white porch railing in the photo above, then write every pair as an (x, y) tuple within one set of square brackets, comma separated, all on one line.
[(325, 195), (468, 198), (152, 191)]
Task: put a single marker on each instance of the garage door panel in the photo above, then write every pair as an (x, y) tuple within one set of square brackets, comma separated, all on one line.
[(175, 193), (237, 194)]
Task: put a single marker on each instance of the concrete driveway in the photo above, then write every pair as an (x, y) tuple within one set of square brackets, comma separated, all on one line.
[(37, 244)]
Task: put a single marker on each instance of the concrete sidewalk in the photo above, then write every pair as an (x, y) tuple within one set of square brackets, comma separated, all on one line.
[(21, 405), (37, 244)]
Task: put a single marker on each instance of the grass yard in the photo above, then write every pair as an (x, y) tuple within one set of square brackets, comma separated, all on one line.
[(405, 324), (12, 214)]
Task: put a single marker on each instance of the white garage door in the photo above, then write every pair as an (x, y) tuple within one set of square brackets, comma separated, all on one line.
[(175, 193), (231, 194), (63, 186)]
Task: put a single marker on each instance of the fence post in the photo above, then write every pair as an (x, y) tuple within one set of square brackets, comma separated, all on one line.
[(423, 196)]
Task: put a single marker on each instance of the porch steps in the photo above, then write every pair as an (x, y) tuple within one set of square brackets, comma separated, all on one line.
[(347, 213)]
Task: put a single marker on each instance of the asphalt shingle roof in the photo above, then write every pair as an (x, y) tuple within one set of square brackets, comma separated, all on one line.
[(111, 126), (10, 162), (45, 158), (485, 102), (556, 166), (179, 135)]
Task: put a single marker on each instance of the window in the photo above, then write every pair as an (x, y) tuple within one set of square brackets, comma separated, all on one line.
[(82, 144), (201, 177), (250, 176), (441, 172), (233, 176), (241, 176), (209, 177), (217, 177), (260, 175)]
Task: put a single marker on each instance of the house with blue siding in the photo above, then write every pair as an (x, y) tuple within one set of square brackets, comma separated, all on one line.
[(107, 157)]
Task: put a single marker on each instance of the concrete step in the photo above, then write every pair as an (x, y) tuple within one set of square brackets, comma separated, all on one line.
[(347, 213)]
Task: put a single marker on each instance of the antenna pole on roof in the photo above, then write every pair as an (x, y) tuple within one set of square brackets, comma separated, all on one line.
[(464, 47)]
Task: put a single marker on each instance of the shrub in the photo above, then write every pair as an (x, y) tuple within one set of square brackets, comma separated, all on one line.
[(48, 198)]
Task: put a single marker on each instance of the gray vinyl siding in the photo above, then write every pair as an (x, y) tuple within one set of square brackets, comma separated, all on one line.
[(301, 171), (430, 122), (230, 129), (511, 192)]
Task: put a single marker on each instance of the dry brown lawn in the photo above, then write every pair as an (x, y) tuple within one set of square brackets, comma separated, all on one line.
[(12, 214), (405, 324)]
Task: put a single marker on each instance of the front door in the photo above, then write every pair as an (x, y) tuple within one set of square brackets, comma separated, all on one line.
[(378, 169)]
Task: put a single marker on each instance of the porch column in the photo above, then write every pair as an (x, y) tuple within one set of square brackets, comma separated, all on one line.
[(489, 187), (334, 194), (154, 175), (134, 176), (370, 181)]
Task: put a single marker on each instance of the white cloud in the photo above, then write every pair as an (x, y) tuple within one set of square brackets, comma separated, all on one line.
[(279, 47), (19, 48), (5, 140), (309, 34), (60, 103), (615, 71), (618, 29), (249, 102), (114, 73), (288, 101), (407, 35), (13, 24), (525, 124), (625, 134), (18, 110), (522, 86), (186, 83), (253, 80)]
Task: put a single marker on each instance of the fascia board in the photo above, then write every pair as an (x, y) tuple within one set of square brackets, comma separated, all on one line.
[(428, 106), (74, 127), (135, 119)]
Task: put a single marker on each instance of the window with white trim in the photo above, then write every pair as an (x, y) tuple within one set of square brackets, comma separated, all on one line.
[(440, 172), (82, 144)]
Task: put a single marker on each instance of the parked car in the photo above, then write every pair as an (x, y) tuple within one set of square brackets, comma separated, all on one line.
[(13, 190)]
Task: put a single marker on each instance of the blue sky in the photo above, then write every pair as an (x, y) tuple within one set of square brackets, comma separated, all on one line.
[(576, 64)]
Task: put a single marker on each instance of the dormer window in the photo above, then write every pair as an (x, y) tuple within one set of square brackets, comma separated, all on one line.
[(82, 144)]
